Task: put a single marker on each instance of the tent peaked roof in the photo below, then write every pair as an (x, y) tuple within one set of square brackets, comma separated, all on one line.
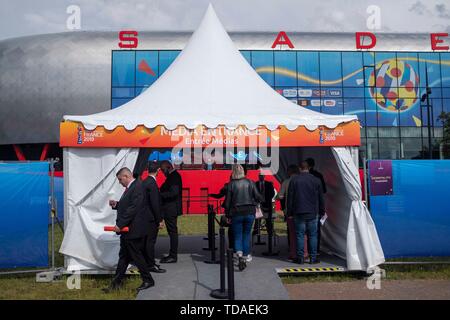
[(210, 83)]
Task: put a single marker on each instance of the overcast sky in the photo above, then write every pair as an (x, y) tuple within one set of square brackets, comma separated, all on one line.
[(27, 17)]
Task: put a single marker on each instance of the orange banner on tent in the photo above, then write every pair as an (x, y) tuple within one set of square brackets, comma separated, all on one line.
[(73, 134)]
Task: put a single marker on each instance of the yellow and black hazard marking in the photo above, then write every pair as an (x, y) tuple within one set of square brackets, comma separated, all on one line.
[(309, 270)]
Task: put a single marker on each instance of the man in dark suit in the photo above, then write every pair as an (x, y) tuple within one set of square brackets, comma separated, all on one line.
[(132, 212), (156, 221), (267, 190), (171, 207), (305, 204), (311, 163)]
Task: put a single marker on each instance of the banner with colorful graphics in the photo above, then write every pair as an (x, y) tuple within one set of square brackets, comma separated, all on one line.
[(74, 134)]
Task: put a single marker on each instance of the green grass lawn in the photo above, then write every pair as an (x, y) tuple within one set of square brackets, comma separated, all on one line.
[(25, 286)]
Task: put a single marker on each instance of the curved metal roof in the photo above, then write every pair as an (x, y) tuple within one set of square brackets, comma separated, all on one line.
[(46, 76)]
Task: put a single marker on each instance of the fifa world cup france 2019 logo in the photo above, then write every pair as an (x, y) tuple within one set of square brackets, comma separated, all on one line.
[(80, 134), (321, 138)]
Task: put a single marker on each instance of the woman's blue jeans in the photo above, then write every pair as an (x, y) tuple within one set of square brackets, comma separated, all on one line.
[(242, 229)]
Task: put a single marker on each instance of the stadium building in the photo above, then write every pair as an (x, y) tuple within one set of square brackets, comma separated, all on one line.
[(47, 76)]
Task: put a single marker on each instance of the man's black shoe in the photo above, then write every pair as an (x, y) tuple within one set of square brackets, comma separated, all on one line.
[(314, 261), (145, 285), (299, 260), (242, 264), (157, 269), (168, 259)]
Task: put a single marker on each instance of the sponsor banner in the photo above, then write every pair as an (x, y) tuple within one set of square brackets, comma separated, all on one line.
[(304, 93), (290, 93), (380, 173), (73, 134)]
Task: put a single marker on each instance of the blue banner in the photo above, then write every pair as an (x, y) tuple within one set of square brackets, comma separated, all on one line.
[(24, 190), (415, 220)]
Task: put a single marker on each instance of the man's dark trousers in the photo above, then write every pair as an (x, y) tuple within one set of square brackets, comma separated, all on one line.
[(172, 230), (132, 250), (150, 244)]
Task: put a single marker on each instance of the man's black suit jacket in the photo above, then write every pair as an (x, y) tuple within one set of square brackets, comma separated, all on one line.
[(133, 212), (153, 199), (269, 193), (171, 195)]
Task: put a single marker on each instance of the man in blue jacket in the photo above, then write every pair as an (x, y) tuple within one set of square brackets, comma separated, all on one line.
[(305, 203)]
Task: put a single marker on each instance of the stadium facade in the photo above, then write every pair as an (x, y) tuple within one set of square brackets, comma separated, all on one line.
[(46, 76)]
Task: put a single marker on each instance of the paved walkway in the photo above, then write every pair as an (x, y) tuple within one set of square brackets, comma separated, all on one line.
[(192, 279), (357, 290)]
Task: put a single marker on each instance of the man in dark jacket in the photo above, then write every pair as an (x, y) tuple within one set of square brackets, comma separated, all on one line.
[(156, 222), (132, 212), (267, 190), (311, 164), (305, 203), (171, 207)]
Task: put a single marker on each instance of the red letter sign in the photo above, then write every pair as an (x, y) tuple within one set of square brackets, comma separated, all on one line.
[(281, 39), (360, 35), (435, 40), (130, 37)]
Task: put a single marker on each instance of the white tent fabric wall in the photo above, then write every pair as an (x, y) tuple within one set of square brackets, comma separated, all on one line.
[(363, 250), (349, 231), (90, 182)]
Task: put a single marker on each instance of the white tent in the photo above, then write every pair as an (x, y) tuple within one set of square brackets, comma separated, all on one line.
[(211, 84)]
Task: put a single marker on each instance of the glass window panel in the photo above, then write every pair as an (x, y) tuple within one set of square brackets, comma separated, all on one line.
[(409, 112), (118, 102), (431, 61), (352, 69), (445, 69), (436, 108), (411, 132), (123, 63), (122, 92), (371, 112), (285, 68), (446, 105), (262, 62), (446, 92), (166, 58), (388, 132), (387, 112), (308, 68), (330, 69), (386, 71), (332, 106), (411, 148), (372, 132), (247, 56), (146, 68), (354, 106), (139, 90), (353, 92), (389, 148), (372, 148)]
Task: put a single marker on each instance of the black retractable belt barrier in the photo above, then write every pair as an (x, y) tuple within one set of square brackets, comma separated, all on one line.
[(222, 292)]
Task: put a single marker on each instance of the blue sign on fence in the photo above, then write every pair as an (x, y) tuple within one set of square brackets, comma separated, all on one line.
[(24, 190), (415, 220)]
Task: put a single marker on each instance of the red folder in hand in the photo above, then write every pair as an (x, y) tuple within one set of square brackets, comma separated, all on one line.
[(111, 228)]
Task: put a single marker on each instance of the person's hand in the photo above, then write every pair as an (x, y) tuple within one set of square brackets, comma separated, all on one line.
[(229, 220), (113, 203), (161, 225), (116, 229)]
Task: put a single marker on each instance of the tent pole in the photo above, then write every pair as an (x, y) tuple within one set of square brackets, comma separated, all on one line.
[(366, 194), (52, 211)]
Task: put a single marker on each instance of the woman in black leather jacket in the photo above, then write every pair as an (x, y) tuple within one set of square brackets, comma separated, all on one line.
[(240, 206)]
